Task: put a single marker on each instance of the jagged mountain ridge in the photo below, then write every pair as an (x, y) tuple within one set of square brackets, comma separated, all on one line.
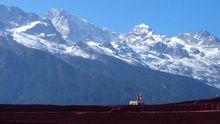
[(15, 17), (42, 78), (193, 54), (75, 29)]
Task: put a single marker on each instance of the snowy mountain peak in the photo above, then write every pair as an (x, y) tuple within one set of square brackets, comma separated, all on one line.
[(205, 33), (200, 38), (14, 17), (142, 25), (75, 29), (56, 11), (142, 29), (60, 20)]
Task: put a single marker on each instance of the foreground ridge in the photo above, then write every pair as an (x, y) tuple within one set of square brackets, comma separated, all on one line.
[(198, 111)]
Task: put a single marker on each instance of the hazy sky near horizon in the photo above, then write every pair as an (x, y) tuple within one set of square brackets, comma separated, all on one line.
[(169, 17)]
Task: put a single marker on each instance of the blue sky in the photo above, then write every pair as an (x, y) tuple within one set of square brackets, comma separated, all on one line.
[(165, 16)]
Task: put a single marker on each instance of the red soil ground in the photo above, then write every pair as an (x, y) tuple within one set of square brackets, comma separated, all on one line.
[(192, 112)]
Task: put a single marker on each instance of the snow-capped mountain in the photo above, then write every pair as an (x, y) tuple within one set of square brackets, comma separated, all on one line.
[(195, 54), (75, 29), (32, 76), (87, 63), (15, 17)]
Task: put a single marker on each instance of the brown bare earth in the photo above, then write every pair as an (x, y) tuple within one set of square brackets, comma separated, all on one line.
[(192, 112)]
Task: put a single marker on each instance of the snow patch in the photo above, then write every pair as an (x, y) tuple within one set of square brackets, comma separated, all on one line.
[(26, 27)]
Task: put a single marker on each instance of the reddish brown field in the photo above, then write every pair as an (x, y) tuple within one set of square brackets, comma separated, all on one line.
[(193, 112)]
